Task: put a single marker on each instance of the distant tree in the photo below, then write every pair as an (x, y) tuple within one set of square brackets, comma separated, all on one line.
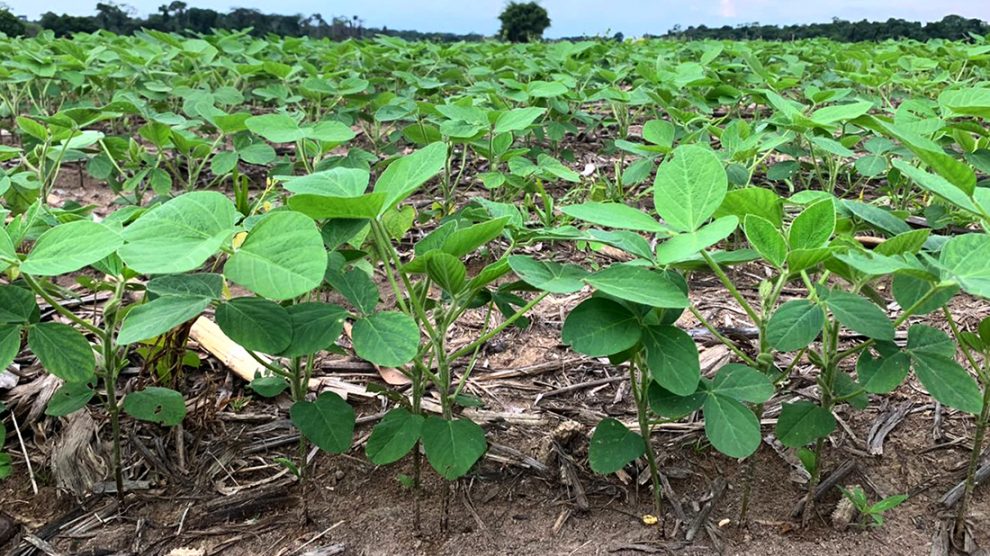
[(10, 25), (523, 22), (113, 17)]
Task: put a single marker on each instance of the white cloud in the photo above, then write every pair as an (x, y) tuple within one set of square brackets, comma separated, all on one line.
[(727, 8)]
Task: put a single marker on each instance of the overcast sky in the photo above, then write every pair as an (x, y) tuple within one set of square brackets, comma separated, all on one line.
[(569, 17)]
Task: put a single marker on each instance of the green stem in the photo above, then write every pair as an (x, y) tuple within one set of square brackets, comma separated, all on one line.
[(724, 278)]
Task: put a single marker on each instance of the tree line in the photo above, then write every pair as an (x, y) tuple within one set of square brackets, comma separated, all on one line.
[(520, 22), (949, 27)]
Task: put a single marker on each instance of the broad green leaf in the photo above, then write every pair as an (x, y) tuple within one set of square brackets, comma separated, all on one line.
[(755, 201), (355, 285), (447, 271), (909, 290), (972, 101), (965, 259), (660, 133), (315, 326), (639, 285), (860, 315), (7, 250), (880, 218), (688, 245), (939, 186), (452, 447), (202, 284), (62, 351), (277, 128), (407, 174), (803, 259), (548, 275), (465, 240), (841, 112), (156, 405), (10, 344), (389, 339), (256, 324), (268, 386), (742, 383), (766, 239), (794, 325), (283, 257), (599, 327), (672, 359), (328, 422), (613, 446), (883, 375), (17, 304), (394, 436), (614, 215), (69, 247), (158, 316), (731, 427), (689, 187), (336, 182), (948, 382), (69, 398), (927, 341), (517, 119), (670, 405), (814, 226), (321, 207), (803, 422), (179, 235)]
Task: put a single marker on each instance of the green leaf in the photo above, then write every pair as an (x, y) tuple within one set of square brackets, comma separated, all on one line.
[(394, 436), (408, 173), (17, 304), (357, 287), (10, 344), (814, 226), (452, 447), (69, 398), (614, 215), (269, 386), (517, 119), (158, 316), (327, 422), (7, 250), (742, 383), (803, 259), (389, 339), (766, 239), (880, 376), (689, 187), (972, 101), (860, 315), (794, 325), (156, 405), (965, 259), (879, 218), (672, 359), (321, 207), (939, 186), (670, 405), (336, 182), (63, 351), (933, 360), (639, 285), (547, 275), (277, 128), (755, 201), (731, 427), (466, 240), (283, 257), (447, 271), (315, 326), (613, 446), (256, 324), (202, 284), (599, 327), (803, 422), (685, 246), (69, 247), (841, 112), (179, 235)]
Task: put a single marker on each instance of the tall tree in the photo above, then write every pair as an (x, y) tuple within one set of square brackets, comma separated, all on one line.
[(523, 22)]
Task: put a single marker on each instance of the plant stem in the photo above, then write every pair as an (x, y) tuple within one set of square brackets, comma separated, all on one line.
[(642, 412), (724, 278), (974, 461)]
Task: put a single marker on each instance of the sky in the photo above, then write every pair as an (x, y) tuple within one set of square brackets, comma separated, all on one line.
[(568, 17)]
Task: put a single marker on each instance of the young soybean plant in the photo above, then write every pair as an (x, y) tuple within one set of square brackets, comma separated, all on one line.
[(631, 316), (432, 291)]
